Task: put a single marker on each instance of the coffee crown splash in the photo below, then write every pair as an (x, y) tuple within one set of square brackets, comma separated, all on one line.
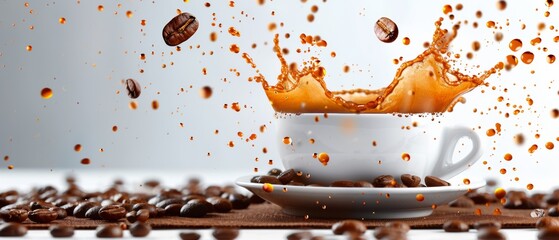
[(426, 84)]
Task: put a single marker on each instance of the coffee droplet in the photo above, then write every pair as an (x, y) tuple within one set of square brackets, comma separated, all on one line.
[(268, 187), (406, 157), (406, 41), (501, 5), (533, 148), (155, 105), (503, 171), (419, 197), (386, 30), (550, 58), (206, 92), (62, 20), (46, 93), (515, 45), (323, 158), (508, 157), (527, 57), (100, 8), (286, 140), (500, 193), (78, 147), (447, 9), (85, 161), (129, 14), (466, 181), (29, 48), (549, 145), (530, 186)]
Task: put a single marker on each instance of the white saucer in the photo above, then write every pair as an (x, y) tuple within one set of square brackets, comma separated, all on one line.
[(358, 203)]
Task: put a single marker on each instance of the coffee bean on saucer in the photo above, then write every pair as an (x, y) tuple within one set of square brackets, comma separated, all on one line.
[(12, 229), (268, 179), (455, 226), (349, 227), (342, 183), (300, 235), (537, 213), (109, 231), (490, 234), (112, 212), (93, 213), (220, 205), (140, 229), (189, 236), (553, 211), (432, 181), (551, 233), (546, 222), (384, 181), (462, 202), (194, 208), (274, 172), (225, 233), (384, 232), (180, 29), (133, 88), (363, 184), (60, 231), (42, 216), (286, 176), (386, 30), (410, 180), (487, 224), (14, 215)]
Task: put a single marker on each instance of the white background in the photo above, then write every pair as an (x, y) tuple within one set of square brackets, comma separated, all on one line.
[(84, 61)]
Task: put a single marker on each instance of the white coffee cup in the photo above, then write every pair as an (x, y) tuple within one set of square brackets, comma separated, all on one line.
[(364, 146)]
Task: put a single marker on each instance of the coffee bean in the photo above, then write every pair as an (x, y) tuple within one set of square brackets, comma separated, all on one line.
[(274, 172), (487, 224), (551, 233), (268, 179), (287, 176), (363, 184), (301, 235), (410, 180), (389, 233), (42, 216), (166, 202), (142, 215), (490, 234), (60, 211), (194, 208), (189, 236), (455, 226), (553, 211), (139, 229), (401, 226), (131, 217), (180, 29), (14, 215), (432, 181), (112, 212), (220, 205), (225, 233), (546, 222), (239, 201), (349, 227), (537, 213), (12, 229), (384, 181), (342, 183), (255, 199), (69, 207), (133, 88), (462, 202), (109, 231), (386, 30), (173, 209), (81, 209), (150, 207), (59, 231), (93, 213), (213, 191)]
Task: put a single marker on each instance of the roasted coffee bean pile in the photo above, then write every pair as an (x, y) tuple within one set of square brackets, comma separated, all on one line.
[(297, 178), (119, 209)]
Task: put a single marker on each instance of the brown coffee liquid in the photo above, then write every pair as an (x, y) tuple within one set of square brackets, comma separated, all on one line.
[(424, 84)]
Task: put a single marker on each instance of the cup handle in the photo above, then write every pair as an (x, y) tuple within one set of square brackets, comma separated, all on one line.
[(446, 168)]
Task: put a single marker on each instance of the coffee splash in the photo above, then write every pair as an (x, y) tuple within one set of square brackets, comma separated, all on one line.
[(425, 84)]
